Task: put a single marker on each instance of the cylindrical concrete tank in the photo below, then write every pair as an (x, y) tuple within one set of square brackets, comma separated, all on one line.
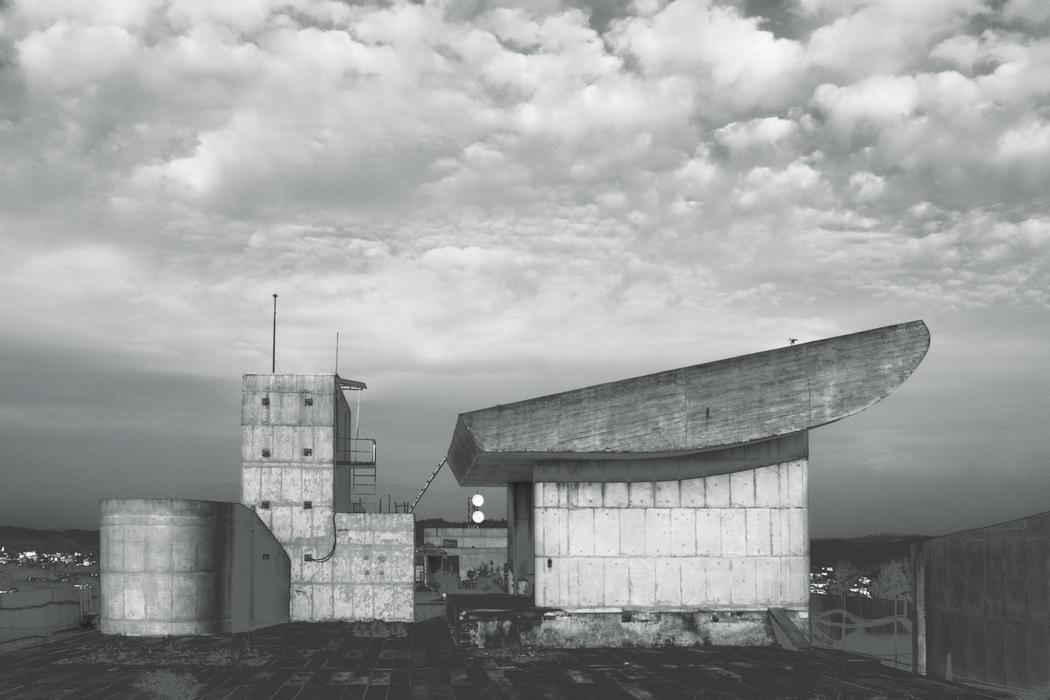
[(161, 566)]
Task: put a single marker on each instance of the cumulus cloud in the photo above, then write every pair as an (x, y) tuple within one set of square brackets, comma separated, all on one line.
[(473, 186), (221, 141)]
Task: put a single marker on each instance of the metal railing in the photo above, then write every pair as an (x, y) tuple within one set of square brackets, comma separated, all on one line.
[(355, 451), (875, 627), (39, 613)]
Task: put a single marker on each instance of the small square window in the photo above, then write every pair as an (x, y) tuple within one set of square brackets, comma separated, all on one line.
[(265, 505), (307, 505), (266, 452), (309, 401), (266, 557), (308, 452), (266, 401)]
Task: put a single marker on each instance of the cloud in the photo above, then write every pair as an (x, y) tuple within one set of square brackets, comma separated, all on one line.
[(471, 189)]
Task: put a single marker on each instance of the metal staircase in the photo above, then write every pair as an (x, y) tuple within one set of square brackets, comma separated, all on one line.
[(358, 457), (442, 463)]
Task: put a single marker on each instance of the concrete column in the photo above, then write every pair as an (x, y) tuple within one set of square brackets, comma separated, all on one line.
[(521, 546), (918, 587)]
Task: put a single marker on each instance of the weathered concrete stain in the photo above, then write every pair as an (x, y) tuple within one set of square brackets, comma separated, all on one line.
[(489, 627)]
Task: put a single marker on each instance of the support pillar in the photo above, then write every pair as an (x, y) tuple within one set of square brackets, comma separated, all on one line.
[(521, 546)]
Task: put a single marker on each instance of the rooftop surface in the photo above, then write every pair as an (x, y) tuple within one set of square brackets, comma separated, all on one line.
[(343, 660)]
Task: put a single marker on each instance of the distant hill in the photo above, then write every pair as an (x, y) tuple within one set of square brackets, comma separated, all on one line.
[(870, 551), (21, 539), (867, 551)]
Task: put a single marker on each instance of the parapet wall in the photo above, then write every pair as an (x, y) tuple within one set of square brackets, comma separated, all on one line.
[(369, 577), (985, 599), (177, 567), (731, 541)]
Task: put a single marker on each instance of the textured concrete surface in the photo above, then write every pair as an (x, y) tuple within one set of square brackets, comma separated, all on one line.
[(188, 567), (730, 541), (987, 604), (716, 405), (369, 577), (288, 472), (340, 660), (509, 621)]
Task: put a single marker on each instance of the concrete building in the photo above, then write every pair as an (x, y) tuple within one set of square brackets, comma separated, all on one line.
[(310, 479), (683, 491), (464, 549)]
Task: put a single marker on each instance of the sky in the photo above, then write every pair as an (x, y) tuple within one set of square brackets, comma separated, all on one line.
[(491, 201)]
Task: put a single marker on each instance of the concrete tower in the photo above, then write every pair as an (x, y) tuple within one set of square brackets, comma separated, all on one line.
[(312, 482)]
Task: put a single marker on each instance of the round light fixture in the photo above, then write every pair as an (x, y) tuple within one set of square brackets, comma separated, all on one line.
[(477, 516), (477, 500)]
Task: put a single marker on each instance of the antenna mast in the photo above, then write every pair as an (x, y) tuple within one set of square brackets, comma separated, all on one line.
[(273, 350)]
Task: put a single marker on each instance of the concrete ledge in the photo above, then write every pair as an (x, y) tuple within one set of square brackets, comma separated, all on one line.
[(787, 628), (488, 622)]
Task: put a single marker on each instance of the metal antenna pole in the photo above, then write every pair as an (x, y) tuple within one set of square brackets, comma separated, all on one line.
[(273, 350), (337, 352)]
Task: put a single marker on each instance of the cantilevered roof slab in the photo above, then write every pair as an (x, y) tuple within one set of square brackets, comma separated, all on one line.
[(685, 411)]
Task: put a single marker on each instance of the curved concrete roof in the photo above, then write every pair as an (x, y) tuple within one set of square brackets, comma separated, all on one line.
[(737, 401)]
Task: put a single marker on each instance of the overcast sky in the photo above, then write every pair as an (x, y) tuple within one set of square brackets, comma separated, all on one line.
[(494, 200)]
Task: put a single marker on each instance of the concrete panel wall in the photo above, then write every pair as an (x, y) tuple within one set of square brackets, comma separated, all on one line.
[(987, 604), (172, 567), (730, 541), (369, 577)]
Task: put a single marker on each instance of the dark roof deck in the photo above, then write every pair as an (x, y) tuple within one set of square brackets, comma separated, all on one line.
[(338, 660)]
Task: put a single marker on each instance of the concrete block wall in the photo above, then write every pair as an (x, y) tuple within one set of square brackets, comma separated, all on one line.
[(370, 576), (287, 476), (729, 541)]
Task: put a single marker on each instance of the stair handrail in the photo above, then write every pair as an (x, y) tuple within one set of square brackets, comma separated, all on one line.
[(443, 462)]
